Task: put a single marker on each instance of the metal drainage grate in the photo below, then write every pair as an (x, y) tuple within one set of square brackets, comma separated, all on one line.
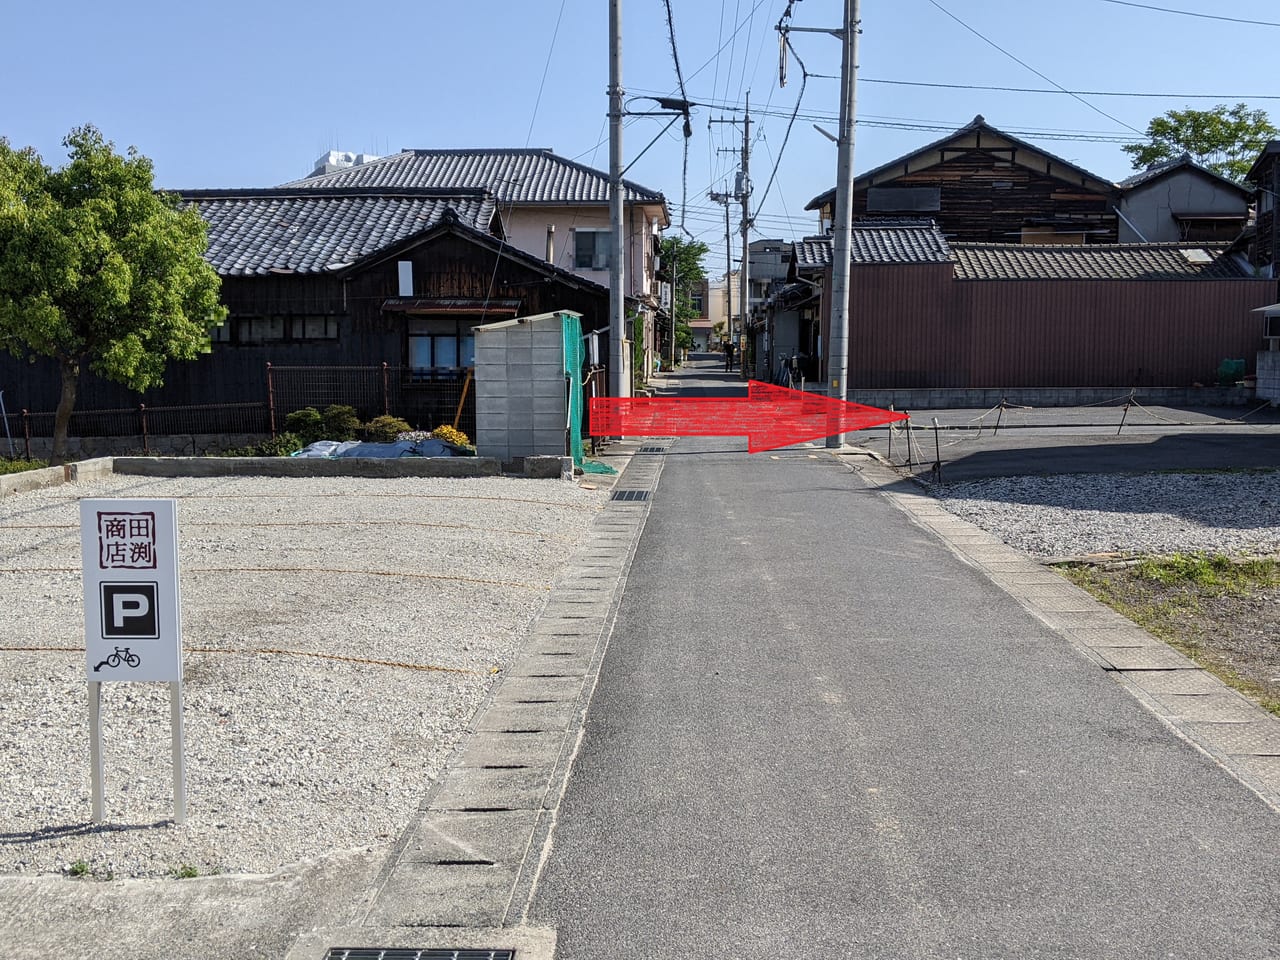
[(630, 495), (408, 953), (653, 449)]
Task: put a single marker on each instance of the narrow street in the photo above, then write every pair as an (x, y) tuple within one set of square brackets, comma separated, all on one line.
[(818, 732)]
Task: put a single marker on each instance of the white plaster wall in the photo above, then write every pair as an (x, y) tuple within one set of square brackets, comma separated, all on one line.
[(527, 230), (1151, 206)]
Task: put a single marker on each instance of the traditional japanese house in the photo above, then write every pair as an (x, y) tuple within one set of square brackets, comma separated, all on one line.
[(981, 185)]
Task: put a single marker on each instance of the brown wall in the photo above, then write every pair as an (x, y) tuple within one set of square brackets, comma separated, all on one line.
[(913, 326)]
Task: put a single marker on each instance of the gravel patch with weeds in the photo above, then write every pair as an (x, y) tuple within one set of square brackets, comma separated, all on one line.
[(289, 754)]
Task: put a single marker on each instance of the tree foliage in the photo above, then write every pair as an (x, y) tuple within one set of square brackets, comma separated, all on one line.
[(1224, 139), (98, 270), (682, 263)]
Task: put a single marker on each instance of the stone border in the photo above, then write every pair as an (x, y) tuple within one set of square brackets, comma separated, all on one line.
[(12, 483)]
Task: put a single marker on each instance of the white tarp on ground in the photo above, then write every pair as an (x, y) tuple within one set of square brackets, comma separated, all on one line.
[(332, 449)]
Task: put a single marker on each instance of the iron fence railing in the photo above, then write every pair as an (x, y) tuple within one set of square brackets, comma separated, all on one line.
[(426, 398)]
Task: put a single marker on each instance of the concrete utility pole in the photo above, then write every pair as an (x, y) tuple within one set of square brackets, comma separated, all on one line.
[(744, 194), (842, 240), (724, 199), (619, 372)]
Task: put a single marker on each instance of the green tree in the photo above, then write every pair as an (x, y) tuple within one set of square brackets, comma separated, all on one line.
[(98, 270), (682, 265), (1224, 139)]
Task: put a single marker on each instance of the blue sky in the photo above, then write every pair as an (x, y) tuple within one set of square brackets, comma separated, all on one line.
[(249, 94)]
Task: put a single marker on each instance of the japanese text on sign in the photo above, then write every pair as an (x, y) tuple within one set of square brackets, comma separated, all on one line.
[(127, 541)]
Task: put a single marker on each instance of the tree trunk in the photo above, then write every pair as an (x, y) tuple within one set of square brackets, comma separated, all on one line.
[(66, 403)]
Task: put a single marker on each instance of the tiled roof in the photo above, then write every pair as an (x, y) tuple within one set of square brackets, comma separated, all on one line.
[(283, 230), (1169, 166), (881, 241), (1120, 261), (533, 175)]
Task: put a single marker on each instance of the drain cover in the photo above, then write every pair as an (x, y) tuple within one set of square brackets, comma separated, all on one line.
[(653, 449), (630, 495), (408, 953)]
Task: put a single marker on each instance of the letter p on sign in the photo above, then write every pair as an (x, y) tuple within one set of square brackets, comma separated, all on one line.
[(129, 611)]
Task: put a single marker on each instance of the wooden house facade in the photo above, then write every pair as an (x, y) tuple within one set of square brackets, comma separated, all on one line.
[(361, 297), (1265, 177), (981, 185)]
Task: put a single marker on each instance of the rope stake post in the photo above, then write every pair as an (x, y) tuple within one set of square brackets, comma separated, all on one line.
[(999, 417), (1127, 404), (907, 422), (937, 449)]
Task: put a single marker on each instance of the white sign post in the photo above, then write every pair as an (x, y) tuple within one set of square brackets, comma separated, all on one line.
[(132, 616)]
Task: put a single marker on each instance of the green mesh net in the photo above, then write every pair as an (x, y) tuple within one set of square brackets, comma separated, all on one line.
[(571, 327)]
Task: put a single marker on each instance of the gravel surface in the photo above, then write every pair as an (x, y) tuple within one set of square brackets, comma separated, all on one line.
[(1237, 513), (293, 752)]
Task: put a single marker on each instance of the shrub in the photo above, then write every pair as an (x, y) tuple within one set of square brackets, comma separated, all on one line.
[(451, 435), (307, 424), (385, 429), (20, 466), (340, 423), (281, 446)]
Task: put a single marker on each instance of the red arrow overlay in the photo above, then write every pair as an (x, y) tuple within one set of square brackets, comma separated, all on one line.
[(769, 416)]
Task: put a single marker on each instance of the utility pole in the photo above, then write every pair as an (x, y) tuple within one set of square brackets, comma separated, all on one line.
[(842, 222), (619, 374), (842, 241), (744, 194), (724, 199)]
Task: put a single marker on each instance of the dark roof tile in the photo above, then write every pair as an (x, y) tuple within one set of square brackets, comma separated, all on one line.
[(531, 175), (282, 230), (1119, 261), (881, 241)]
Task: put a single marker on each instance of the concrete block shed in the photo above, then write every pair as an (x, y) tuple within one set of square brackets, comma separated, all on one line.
[(528, 379)]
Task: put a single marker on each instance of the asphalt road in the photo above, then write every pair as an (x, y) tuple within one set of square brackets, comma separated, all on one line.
[(817, 732)]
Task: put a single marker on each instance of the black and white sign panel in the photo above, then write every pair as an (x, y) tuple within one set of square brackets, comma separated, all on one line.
[(132, 606)]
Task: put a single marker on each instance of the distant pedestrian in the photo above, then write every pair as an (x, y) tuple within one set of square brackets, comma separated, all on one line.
[(728, 355)]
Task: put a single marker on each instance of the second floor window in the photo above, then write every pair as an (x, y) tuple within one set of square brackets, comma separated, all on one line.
[(591, 249)]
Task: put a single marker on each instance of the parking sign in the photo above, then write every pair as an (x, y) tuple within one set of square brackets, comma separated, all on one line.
[(132, 605)]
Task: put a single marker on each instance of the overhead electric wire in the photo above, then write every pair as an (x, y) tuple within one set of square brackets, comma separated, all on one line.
[(804, 78), (1082, 93), (1046, 79), (543, 82), (1192, 13)]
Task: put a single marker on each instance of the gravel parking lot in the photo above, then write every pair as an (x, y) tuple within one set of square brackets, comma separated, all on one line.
[(339, 636)]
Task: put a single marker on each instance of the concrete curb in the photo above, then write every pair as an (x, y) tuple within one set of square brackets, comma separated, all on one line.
[(308, 467), (55, 476)]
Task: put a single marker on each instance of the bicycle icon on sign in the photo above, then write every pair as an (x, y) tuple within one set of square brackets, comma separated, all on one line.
[(121, 655)]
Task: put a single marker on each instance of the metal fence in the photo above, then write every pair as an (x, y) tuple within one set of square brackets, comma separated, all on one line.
[(19, 427), (425, 398)]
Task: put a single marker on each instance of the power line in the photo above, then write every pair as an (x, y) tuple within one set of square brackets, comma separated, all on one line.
[(1023, 63), (543, 82), (1192, 13), (1081, 93)]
